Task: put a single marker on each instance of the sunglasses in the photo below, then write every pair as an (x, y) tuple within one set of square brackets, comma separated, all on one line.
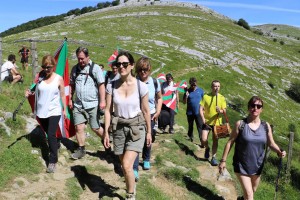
[(47, 67), (143, 70), (258, 106), (124, 64)]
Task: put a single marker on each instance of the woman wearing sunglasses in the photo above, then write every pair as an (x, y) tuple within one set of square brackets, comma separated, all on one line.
[(49, 92), (143, 70), (131, 120), (251, 136)]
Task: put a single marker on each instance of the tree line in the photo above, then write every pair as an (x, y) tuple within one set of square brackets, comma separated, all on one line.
[(44, 21)]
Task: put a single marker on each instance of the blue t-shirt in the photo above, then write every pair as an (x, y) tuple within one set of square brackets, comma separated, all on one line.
[(151, 94), (193, 101)]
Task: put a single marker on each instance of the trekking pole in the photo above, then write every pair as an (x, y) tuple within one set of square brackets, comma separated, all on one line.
[(278, 176), (18, 108)]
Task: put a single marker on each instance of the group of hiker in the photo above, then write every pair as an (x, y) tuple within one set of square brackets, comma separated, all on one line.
[(9, 70), (132, 104), (250, 135)]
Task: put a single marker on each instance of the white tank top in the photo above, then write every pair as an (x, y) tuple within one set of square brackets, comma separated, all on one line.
[(48, 102)]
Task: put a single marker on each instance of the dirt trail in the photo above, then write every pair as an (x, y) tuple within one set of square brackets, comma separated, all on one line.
[(108, 184)]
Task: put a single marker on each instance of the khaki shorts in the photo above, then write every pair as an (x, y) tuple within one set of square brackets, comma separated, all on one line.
[(123, 142), (90, 115)]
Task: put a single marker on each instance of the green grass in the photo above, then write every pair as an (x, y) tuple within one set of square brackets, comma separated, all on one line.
[(73, 189)]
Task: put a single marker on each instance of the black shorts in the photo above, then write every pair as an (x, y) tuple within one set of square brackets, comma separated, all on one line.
[(9, 78), (24, 60), (207, 127)]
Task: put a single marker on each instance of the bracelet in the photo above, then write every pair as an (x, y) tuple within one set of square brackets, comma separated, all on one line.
[(222, 160)]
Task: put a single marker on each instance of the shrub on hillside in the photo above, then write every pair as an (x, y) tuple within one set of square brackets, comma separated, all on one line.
[(258, 32), (275, 28), (294, 91), (281, 42), (243, 23), (275, 40)]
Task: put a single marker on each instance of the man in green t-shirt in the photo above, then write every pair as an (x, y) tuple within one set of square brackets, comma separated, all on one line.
[(210, 106)]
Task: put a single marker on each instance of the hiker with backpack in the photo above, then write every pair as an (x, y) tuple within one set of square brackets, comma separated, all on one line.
[(165, 87), (131, 119), (9, 71), (50, 105), (87, 83), (113, 74), (143, 71), (211, 106), (251, 137), (192, 98)]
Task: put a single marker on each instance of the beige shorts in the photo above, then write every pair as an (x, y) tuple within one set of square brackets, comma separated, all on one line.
[(123, 142), (90, 115)]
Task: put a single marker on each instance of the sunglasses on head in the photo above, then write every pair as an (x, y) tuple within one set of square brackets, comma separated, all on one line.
[(124, 64), (47, 67), (258, 106)]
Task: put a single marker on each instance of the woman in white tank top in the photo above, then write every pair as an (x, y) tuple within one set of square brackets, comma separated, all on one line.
[(131, 119), (49, 93)]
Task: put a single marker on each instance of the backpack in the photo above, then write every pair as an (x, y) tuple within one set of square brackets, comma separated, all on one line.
[(244, 121), (75, 72), (155, 84), (107, 75)]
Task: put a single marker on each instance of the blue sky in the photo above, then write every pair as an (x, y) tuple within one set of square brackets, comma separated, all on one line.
[(16, 12)]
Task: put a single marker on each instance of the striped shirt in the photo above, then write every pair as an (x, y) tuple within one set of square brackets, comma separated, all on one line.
[(87, 93)]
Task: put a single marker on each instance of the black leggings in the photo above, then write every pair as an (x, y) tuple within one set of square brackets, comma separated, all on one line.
[(50, 126)]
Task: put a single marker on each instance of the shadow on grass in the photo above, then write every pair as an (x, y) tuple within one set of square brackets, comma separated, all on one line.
[(38, 139), (94, 183), (110, 158), (188, 152), (200, 190)]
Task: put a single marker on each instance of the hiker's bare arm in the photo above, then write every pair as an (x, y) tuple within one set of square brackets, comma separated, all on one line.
[(177, 98), (71, 92), (158, 106), (228, 146), (185, 96), (146, 113), (273, 145), (62, 95), (201, 111), (102, 96), (14, 71), (107, 117)]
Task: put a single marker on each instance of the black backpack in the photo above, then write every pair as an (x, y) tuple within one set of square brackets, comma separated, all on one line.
[(75, 72)]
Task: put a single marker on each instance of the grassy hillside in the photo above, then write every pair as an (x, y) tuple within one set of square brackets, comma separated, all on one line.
[(186, 41)]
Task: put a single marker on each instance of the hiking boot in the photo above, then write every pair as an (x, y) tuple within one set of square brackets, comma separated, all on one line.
[(136, 175), (146, 165), (191, 139), (214, 161), (130, 196), (80, 153), (240, 198), (171, 131), (206, 153), (51, 168)]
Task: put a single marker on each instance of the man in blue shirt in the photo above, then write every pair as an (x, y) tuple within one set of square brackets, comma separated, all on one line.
[(192, 97)]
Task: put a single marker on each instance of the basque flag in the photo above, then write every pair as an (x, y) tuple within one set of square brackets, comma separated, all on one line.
[(66, 127)]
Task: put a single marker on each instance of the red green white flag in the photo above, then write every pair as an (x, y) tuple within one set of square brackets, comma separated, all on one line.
[(66, 127), (169, 98), (113, 57), (161, 77)]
